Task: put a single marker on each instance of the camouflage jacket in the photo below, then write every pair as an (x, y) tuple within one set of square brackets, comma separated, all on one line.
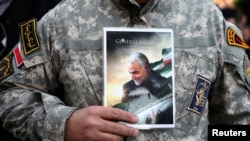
[(59, 67)]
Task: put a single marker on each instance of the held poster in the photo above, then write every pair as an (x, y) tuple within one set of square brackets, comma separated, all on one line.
[(139, 74)]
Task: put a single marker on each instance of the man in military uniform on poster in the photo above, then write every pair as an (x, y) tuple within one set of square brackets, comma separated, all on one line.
[(146, 87)]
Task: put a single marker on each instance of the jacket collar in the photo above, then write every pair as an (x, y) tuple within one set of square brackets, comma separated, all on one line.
[(131, 5)]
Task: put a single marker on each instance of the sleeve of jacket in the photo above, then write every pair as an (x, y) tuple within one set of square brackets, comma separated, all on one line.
[(230, 98), (29, 108)]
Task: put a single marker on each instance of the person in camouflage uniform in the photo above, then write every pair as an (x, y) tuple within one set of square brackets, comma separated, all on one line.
[(53, 89)]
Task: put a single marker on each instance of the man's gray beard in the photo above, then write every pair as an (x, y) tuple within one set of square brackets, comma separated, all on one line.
[(136, 83)]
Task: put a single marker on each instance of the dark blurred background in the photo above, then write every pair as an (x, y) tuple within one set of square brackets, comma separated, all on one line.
[(238, 13), (13, 12)]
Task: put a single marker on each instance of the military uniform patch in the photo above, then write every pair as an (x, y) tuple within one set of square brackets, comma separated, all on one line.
[(6, 66), (234, 39), (18, 55), (29, 38), (200, 95)]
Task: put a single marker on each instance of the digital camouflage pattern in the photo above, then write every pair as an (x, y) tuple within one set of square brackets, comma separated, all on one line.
[(66, 72)]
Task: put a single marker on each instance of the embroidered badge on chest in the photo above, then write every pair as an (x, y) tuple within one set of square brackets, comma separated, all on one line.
[(6, 66), (234, 39), (29, 38), (200, 95)]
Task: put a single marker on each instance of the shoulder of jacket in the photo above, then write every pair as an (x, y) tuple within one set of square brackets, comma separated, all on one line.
[(26, 53)]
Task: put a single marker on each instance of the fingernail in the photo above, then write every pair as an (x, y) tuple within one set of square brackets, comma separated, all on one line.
[(135, 119), (135, 133)]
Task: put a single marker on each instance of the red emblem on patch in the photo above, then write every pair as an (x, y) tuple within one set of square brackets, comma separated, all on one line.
[(235, 40), (18, 55)]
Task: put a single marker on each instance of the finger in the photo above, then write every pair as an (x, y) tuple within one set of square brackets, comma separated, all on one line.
[(101, 136), (116, 114), (117, 128), (111, 137)]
